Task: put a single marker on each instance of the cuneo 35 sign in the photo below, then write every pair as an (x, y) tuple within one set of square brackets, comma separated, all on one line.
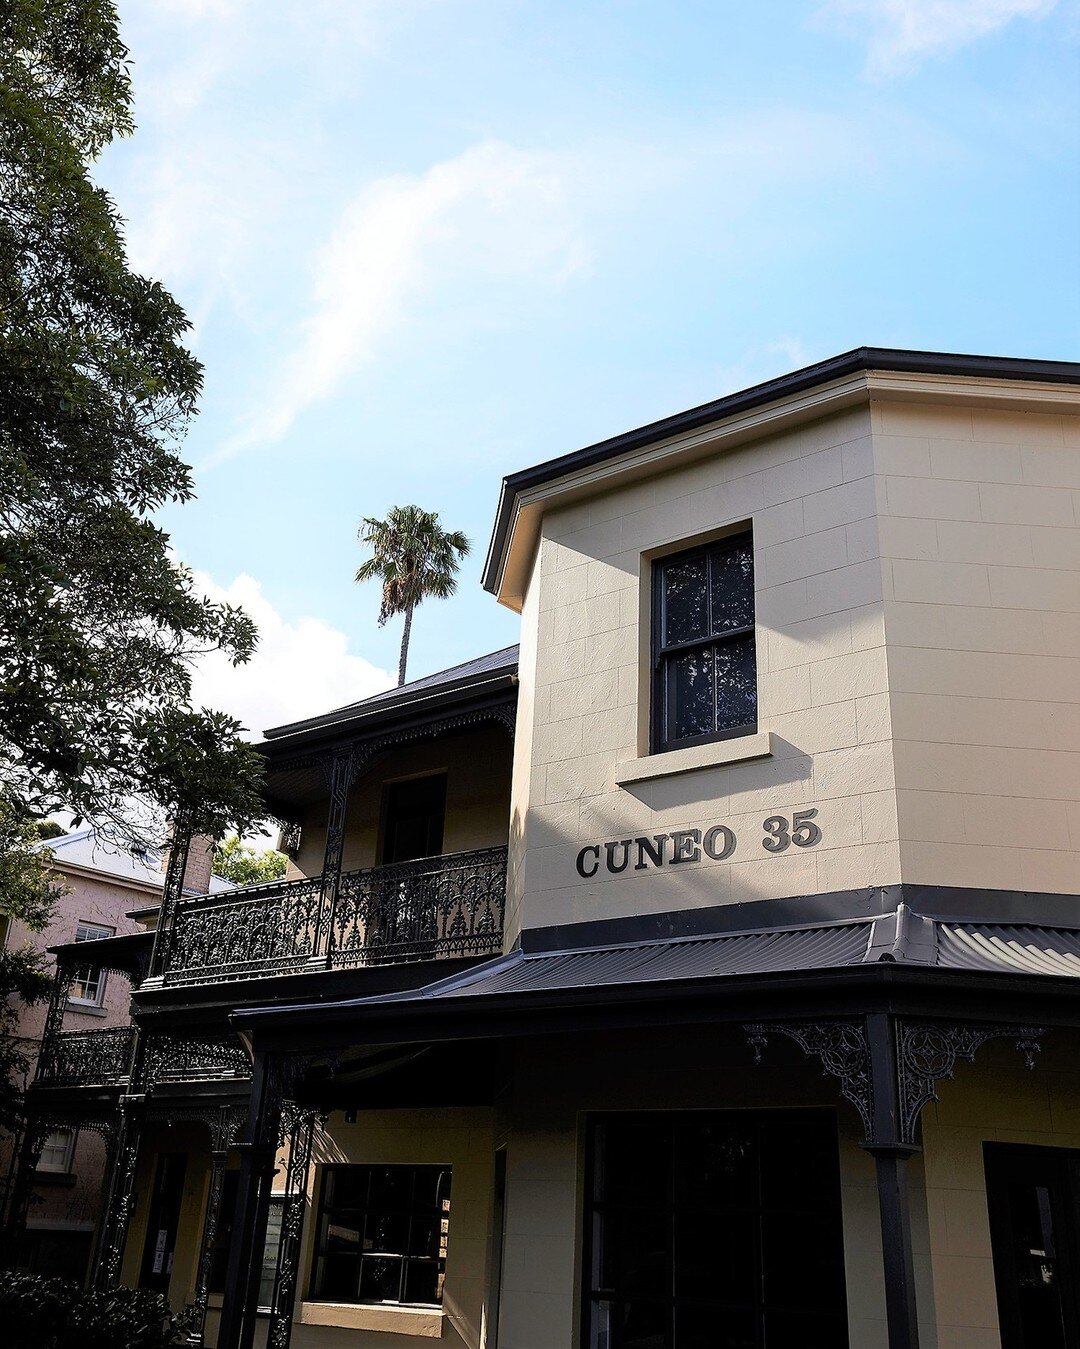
[(717, 842)]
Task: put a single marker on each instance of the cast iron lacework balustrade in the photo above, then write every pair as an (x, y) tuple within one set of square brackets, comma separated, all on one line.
[(187, 1058), (434, 907), (259, 930), (438, 906), (87, 1058)]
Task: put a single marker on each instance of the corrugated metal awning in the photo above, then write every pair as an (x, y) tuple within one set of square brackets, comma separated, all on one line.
[(1009, 949)]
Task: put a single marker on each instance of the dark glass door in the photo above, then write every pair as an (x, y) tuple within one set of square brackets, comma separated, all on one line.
[(164, 1220), (716, 1231), (415, 813), (1033, 1197)]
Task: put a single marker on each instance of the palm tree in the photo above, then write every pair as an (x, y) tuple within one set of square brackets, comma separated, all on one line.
[(414, 558)]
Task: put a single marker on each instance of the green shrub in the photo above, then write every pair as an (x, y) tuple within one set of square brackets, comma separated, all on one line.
[(38, 1313)]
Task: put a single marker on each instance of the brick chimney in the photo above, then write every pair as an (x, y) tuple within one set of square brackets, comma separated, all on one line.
[(200, 862)]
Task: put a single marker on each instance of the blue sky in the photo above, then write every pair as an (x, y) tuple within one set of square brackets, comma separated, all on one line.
[(427, 242)]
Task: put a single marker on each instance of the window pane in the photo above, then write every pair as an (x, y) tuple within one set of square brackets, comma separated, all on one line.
[(346, 1187), (342, 1234), (641, 1325), (336, 1278), (386, 1233), (382, 1233), (733, 585), (686, 600), (717, 1164), (391, 1188), (423, 1281), (55, 1151), (692, 694), (714, 1260), (635, 1159), (736, 683), (709, 1328), (380, 1279), (636, 1253)]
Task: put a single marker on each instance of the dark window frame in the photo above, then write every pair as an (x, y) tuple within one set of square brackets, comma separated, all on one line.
[(661, 740), (441, 1212)]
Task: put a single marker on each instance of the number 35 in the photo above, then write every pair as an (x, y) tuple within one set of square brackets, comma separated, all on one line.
[(801, 831)]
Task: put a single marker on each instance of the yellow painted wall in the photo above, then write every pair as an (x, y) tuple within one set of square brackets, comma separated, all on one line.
[(822, 687), (979, 518), (464, 1140), (478, 766)]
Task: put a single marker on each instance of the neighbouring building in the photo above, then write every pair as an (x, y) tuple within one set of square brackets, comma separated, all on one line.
[(702, 974), (108, 891)]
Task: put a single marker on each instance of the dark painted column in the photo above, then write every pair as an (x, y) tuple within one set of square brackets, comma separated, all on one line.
[(891, 1156), (257, 1154)]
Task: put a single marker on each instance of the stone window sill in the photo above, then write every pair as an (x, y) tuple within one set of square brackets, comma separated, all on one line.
[(426, 1322), (741, 749), (61, 1179), (85, 1008)]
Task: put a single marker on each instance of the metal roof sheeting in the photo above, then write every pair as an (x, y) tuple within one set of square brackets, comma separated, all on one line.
[(658, 962), (1005, 949)]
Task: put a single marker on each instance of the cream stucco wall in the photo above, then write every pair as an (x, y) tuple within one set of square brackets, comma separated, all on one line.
[(463, 1140), (979, 521), (918, 611), (811, 497), (478, 767)]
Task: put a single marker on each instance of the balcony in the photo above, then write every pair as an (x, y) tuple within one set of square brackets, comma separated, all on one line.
[(87, 1058), (429, 909)]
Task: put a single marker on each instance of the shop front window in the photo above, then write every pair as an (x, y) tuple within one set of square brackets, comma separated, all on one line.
[(382, 1234)]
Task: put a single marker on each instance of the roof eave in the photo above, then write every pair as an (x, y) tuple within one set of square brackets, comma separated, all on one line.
[(859, 361)]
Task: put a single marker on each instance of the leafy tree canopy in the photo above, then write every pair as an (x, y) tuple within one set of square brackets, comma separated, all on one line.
[(244, 865), (98, 625)]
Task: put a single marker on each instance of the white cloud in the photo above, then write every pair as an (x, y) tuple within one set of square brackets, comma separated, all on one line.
[(901, 33), (488, 214), (299, 669)]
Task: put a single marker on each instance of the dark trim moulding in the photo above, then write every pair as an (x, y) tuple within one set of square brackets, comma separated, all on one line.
[(798, 381)]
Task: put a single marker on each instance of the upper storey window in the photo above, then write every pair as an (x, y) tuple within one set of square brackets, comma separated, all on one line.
[(703, 644)]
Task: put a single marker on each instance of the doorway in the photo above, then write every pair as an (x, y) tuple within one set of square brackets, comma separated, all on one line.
[(414, 818), (163, 1222), (715, 1230), (1033, 1199)]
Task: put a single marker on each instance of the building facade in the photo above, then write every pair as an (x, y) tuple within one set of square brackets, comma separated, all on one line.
[(105, 890), (701, 974)]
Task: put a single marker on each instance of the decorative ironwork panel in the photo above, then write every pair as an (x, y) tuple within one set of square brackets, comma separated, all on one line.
[(191, 1058), (927, 1051), (437, 906), (87, 1058), (259, 930), (297, 1126), (841, 1047), (119, 1205)]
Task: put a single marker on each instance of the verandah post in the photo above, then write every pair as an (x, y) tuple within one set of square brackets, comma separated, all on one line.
[(891, 1156)]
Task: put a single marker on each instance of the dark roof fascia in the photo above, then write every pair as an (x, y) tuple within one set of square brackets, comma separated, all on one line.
[(883, 986), (798, 381), (337, 727), (114, 953)]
